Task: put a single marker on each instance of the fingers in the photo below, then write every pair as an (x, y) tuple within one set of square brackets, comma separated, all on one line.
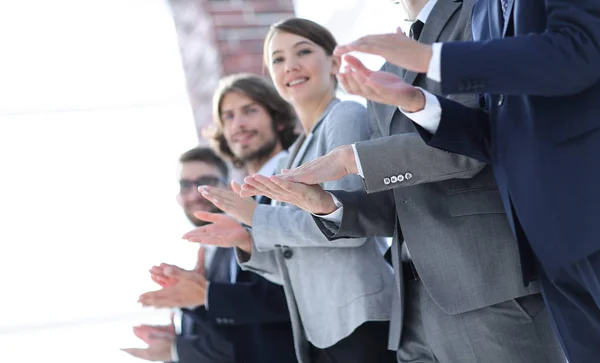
[(155, 299), (366, 44), (357, 66), (161, 281), (295, 189), (262, 185), (142, 333), (350, 83), (207, 216), (236, 187), (218, 193), (175, 272), (248, 191), (304, 173), (200, 263), (201, 236), (160, 328)]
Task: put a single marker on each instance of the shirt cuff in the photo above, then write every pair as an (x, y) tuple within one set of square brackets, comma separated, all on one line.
[(358, 164), (434, 71), (174, 354), (335, 216), (430, 116)]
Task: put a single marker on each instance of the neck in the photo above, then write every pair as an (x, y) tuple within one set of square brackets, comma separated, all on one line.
[(414, 7), (253, 166), (309, 113)]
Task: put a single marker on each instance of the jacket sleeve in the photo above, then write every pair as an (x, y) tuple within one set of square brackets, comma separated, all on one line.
[(204, 349), (289, 225), (256, 301), (462, 130), (561, 61), (364, 215)]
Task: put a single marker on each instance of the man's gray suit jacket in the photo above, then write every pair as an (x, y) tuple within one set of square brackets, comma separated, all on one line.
[(445, 206)]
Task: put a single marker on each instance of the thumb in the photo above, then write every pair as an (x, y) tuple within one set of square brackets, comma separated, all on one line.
[(207, 217), (236, 187), (200, 264), (174, 271)]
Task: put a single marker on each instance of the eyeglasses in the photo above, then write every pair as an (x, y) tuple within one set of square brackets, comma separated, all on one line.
[(186, 186)]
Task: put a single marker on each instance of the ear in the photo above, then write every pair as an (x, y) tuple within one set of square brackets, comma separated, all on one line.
[(280, 127), (336, 63), (179, 199)]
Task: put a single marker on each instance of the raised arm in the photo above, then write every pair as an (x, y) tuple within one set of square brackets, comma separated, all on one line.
[(561, 61), (293, 227)]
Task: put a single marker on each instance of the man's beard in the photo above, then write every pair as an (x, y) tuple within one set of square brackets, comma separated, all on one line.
[(263, 152)]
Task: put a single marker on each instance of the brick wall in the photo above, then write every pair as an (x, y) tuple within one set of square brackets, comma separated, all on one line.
[(220, 37), (240, 28)]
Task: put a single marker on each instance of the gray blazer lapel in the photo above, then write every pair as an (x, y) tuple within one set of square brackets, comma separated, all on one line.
[(293, 150), (437, 20), (295, 161), (386, 113)]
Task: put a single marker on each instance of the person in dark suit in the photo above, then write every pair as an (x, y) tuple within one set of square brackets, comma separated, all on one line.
[(227, 315), (537, 65)]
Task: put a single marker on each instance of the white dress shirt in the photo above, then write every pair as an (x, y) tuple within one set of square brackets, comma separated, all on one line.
[(433, 73), (432, 113)]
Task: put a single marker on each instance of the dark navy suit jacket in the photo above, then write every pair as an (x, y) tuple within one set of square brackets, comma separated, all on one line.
[(541, 130), (252, 314)]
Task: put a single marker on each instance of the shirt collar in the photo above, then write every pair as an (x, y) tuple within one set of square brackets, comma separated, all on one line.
[(268, 168), (422, 16)]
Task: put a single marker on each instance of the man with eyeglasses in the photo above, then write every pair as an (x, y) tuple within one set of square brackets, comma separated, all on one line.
[(227, 315)]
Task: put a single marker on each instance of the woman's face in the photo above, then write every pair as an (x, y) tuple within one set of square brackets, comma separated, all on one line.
[(300, 69)]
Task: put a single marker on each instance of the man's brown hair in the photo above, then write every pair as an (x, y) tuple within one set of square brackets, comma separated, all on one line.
[(262, 92)]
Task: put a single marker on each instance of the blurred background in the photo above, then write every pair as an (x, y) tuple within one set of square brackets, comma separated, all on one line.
[(97, 101)]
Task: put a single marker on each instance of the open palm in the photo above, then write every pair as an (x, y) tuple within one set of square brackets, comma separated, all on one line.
[(223, 231)]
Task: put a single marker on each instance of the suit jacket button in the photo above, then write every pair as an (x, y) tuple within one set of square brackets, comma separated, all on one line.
[(386, 181), (501, 100), (400, 178), (287, 254), (394, 179), (408, 176)]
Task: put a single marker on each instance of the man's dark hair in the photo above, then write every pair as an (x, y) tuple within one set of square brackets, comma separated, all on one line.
[(206, 155)]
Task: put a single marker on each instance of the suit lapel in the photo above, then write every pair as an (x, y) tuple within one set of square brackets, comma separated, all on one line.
[(220, 266), (293, 151), (497, 19), (506, 21), (387, 114), (437, 20), (304, 146)]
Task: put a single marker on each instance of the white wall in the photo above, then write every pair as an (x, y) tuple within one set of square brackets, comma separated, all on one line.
[(93, 116)]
